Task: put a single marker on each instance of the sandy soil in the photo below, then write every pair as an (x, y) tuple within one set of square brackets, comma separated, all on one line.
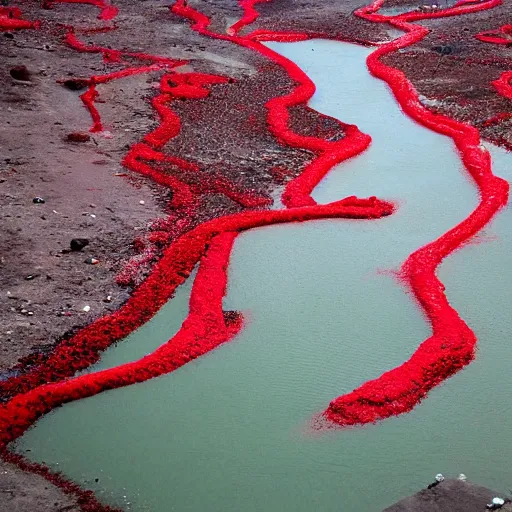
[(44, 287)]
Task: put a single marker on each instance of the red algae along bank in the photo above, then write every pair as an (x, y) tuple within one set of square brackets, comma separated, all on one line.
[(451, 344)]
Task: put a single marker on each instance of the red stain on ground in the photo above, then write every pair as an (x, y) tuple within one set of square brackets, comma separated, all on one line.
[(502, 35), (11, 19)]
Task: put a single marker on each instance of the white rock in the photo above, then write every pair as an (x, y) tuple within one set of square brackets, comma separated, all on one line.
[(86, 309)]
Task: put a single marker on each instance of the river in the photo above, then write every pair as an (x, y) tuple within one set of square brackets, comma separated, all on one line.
[(324, 313)]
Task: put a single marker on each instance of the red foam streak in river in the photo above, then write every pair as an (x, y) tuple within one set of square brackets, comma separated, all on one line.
[(200, 333)]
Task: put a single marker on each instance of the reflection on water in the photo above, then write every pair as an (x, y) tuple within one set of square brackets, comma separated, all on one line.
[(228, 432)]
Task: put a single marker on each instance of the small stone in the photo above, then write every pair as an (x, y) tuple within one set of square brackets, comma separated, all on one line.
[(9, 35), (30, 313), (92, 261), (24, 311), (109, 298), (86, 309), (142, 202), (462, 477), (77, 244), (31, 276), (75, 84), (496, 504), (38, 200), (20, 73), (78, 137), (93, 216)]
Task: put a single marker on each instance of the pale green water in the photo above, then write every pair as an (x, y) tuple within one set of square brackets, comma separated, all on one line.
[(228, 432)]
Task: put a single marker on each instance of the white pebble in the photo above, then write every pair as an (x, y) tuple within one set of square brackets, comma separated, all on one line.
[(86, 308)]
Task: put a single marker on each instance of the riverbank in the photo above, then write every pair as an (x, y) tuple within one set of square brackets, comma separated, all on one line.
[(449, 496), (62, 284)]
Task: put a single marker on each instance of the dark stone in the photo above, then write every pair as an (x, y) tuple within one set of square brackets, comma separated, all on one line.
[(75, 84), (78, 137), (443, 49), (77, 244), (30, 277), (38, 200), (9, 35), (20, 73)]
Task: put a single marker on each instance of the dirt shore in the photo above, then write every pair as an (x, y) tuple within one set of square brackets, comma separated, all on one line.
[(450, 495), (48, 291)]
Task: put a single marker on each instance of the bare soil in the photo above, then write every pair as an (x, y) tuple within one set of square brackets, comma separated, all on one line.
[(449, 495)]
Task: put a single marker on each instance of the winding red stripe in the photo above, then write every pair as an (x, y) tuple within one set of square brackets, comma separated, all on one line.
[(10, 19), (452, 343), (107, 11), (504, 84), (179, 259), (502, 35)]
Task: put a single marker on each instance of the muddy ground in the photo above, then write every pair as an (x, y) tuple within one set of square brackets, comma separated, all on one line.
[(450, 495), (44, 287)]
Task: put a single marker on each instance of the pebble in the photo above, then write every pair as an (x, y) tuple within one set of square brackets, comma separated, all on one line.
[(38, 200), (92, 261), (77, 244), (86, 309), (75, 84), (78, 137), (20, 73), (142, 202)]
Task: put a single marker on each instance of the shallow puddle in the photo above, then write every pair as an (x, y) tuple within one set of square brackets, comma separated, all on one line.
[(230, 431)]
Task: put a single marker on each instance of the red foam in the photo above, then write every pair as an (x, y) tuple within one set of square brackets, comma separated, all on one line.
[(504, 84), (107, 11), (502, 35), (11, 19), (452, 343)]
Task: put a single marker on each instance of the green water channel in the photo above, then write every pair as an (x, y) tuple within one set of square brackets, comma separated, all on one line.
[(230, 431)]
